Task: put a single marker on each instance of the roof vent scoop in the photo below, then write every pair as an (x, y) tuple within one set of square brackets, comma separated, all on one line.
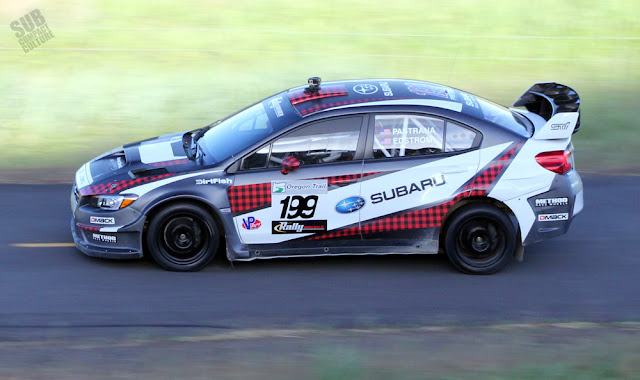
[(314, 85)]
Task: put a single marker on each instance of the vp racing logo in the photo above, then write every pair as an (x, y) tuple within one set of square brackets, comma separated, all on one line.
[(251, 223)]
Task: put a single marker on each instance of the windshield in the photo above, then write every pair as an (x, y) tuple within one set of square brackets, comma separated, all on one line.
[(244, 129), (505, 117)]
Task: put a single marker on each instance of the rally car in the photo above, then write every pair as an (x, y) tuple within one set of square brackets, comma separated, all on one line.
[(346, 167)]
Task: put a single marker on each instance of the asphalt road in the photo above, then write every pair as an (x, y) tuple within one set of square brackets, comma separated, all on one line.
[(590, 274)]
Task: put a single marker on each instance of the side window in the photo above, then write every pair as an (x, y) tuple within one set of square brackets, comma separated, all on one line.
[(458, 137), (327, 141), (407, 135)]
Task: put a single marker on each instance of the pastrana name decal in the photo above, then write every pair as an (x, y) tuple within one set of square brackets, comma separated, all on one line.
[(401, 191)]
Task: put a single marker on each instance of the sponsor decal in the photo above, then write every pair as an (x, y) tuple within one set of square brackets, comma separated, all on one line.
[(214, 181), (274, 104), (560, 127), (553, 217), (365, 89), (311, 186), (104, 238), (349, 205), (102, 220), (251, 223), (31, 30), (279, 187), (401, 191), (470, 101), (431, 90), (552, 202), (299, 227), (386, 90), (298, 206)]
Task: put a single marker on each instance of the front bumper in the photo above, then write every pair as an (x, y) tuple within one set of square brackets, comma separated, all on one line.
[(84, 242), (106, 234)]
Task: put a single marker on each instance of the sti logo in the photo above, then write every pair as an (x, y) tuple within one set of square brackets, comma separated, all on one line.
[(278, 188), (251, 223), (560, 127)]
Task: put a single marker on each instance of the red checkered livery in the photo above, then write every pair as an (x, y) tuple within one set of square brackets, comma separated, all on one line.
[(432, 216), (246, 198), (319, 107), (301, 96), (117, 187), (289, 164), (87, 227), (170, 163), (345, 179), (483, 182)]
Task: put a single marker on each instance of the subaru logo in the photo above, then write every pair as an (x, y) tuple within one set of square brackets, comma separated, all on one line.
[(350, 204)]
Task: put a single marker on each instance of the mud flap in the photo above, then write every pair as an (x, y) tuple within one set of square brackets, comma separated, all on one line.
[(519, 252)]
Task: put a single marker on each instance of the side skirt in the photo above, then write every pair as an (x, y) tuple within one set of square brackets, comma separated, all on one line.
[(429, 248)]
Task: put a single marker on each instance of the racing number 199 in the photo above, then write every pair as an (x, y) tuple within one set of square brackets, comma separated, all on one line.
[(299, 207)]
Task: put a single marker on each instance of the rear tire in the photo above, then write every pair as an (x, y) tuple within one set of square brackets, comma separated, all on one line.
[(480, 239), (183, 237)]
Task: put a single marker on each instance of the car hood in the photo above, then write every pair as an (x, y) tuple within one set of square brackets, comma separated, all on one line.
[(151, 157)]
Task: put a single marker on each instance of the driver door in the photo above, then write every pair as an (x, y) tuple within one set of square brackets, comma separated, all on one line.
[(301, 208)]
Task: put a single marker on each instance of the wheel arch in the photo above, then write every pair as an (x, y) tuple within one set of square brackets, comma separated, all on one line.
[(475, 200), (186, 198)]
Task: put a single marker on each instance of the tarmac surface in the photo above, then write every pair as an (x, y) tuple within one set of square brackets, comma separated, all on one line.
[(592, 274)]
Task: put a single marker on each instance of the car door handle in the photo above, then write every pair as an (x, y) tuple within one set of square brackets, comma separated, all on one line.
[(455, 169)]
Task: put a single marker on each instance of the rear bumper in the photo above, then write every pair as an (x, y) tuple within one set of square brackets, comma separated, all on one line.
[(555, 209)]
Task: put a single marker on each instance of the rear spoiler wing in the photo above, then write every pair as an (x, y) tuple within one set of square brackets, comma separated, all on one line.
[(557, 104)]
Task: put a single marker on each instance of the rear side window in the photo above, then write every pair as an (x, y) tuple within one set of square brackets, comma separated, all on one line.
[(407, 135), (458, 137)]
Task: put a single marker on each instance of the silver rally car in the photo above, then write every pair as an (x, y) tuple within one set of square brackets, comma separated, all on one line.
[(350, 167)]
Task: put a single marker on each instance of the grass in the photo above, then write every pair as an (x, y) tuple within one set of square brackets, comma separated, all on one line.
[(63, 107), (592, 351)]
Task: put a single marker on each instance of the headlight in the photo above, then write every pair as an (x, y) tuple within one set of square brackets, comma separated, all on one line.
[(112, 202)]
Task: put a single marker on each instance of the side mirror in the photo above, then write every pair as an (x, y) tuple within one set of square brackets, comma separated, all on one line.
[(289, 164)]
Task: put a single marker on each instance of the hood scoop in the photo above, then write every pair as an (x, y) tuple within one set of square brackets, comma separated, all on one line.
[(144, 172)]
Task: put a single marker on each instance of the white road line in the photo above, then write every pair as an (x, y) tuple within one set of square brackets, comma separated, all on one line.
[(342, 54), (341, 33)]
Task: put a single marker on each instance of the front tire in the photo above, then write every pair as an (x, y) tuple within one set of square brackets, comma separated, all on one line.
[(183, 237), (480, 239)]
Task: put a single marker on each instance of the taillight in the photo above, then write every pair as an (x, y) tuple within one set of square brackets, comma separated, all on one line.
[(558, 161)]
